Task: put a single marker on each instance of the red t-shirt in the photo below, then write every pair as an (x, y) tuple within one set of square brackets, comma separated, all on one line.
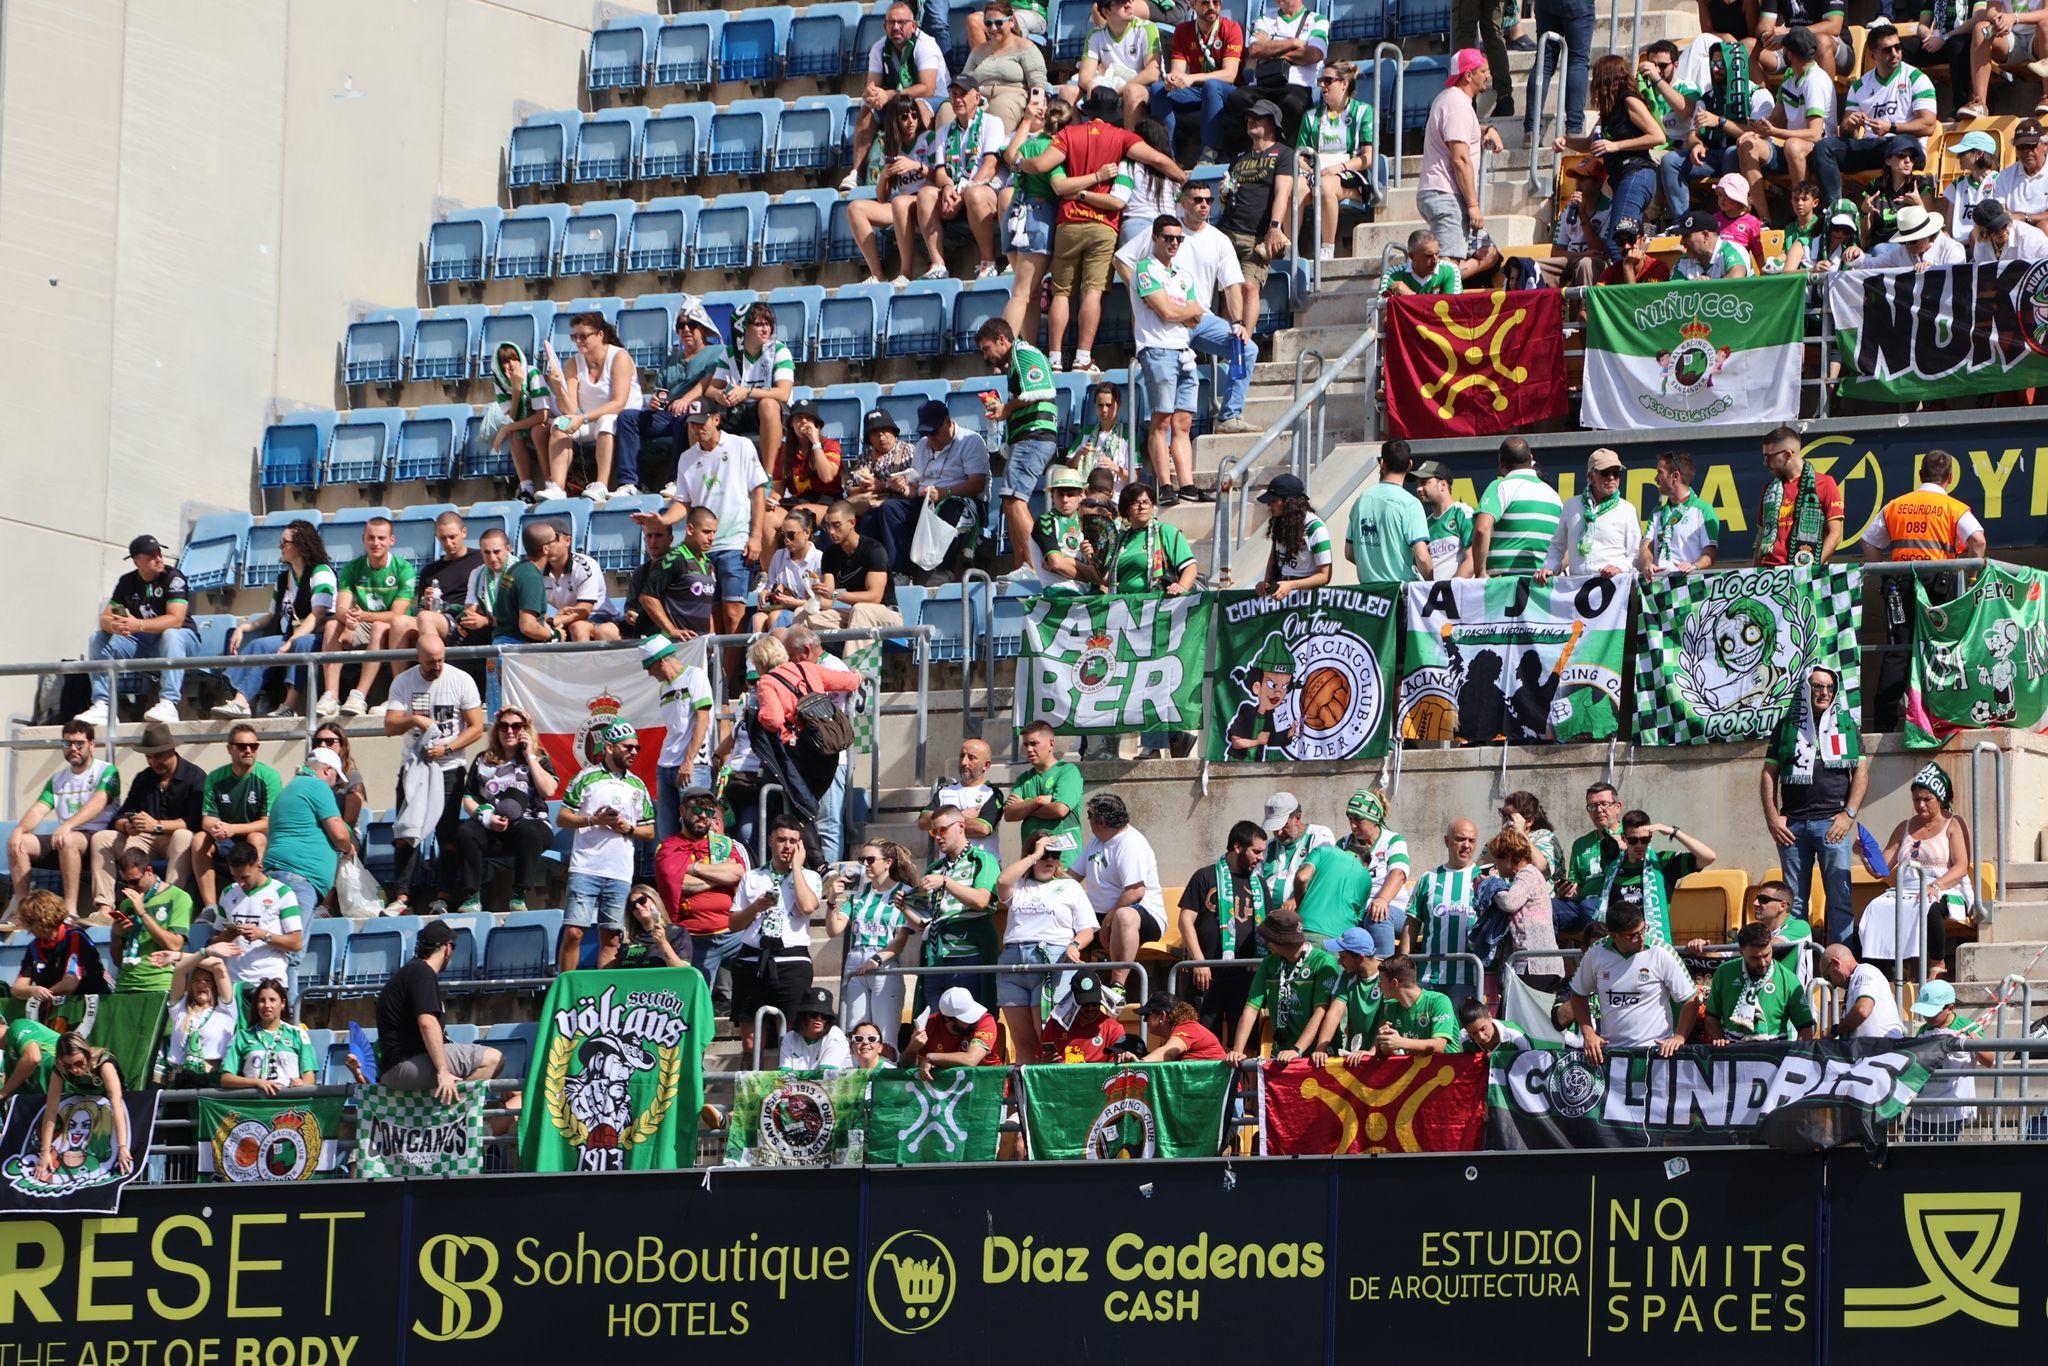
[(1202, 1046), (1079, 1042), (801, 479), (1830, 494), (1225, 43), (942, 1035), (1089, 147), (707, 912), (1654, 272)]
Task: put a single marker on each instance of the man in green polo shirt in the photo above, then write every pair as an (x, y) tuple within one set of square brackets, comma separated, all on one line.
[(149, 914), (234, 806), (1047, 800), (1031, 426), (1593, 853), (1346, 1024), (522, 603), (1294, 981), (1757, 996), (1411, 1018), (960, 886)]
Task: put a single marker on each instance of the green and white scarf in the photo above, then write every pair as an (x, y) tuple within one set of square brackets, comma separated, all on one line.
[(1591, 513), (1808, 523), (1282, 863), (1226, 904), (963, 150), (1663, 526), (1656, 899), (532, 392), (1827, 741)]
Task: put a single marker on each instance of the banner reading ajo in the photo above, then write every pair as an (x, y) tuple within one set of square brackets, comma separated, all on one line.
[(1509, 658), (1907, 335), (1114, 665), (1304, 677), (1982, 660)]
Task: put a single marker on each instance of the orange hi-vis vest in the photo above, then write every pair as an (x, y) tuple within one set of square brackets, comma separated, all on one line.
[(1922, 525)]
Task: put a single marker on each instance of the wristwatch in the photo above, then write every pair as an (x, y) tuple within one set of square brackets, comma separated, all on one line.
[(1850, 812)]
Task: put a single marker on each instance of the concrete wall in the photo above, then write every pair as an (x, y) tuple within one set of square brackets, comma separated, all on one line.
[(191, 195)]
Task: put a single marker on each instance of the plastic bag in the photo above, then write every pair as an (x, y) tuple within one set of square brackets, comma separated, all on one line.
[(356, 893), (497, 417), (933, 538)]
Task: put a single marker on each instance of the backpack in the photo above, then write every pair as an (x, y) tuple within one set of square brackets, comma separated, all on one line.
[(820, 725)]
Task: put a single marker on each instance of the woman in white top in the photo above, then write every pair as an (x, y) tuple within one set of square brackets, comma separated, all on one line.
[(772, 909), (793, 571), (602, 382), (1150, 193), (1930, 851), (201, 1020), (874, 913), (904, 173), (1049, 920)]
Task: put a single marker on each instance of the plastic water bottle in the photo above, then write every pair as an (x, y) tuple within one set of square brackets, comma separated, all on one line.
[(1240, 364)]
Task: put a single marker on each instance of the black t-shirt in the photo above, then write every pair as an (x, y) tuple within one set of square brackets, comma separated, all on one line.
[(452, 577), (1820, 799), (850, 572), (176, 800), (492, 781), (149, 599), (414, 990), (1250, 207), (45, 965), (1199, 896), (686, 585), (639, 950)]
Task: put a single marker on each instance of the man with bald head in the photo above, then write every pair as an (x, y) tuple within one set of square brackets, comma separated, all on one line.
[(1441, 914), (1870, 1009), (440, 713), (973, 795)]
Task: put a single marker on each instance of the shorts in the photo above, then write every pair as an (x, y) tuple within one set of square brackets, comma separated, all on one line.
[(417, 1073), (594, 427), (357, 639), (1445, 214), (1024, 468), (1081, 256), (1025, 988), (2022, 43), (1251, 258), (1171, 385), (1030, 23), (1031, 224), (599, 901), (733, 578), (742, 419)]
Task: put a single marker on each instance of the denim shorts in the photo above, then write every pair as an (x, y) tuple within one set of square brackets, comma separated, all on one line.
[(1171, 384), (733, 578), (1024, 470), (1030, 226), (599, 901), (1025, 988)]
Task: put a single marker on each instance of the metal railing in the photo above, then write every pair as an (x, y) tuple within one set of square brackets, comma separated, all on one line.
[(173, 1154), (1544, 74), (1988, 906), (1387, 128)]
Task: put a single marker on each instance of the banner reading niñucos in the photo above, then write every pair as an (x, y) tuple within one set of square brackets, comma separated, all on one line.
[(1907, 335), (1114, 665)]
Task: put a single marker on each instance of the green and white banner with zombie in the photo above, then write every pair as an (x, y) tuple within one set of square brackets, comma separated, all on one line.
[(1114, 665), (1724, 654), (1981, 661), (1306, 676), (1511, 659)]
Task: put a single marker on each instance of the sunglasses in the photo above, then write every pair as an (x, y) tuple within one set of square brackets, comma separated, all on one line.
[(1773, 900), (77, 742), (511, 725), (1330, 80), (1201, 199), (625, 744), (870, 1040), (240, 746), (1166, 239), (581, 336), (327, 739), (872, 858)]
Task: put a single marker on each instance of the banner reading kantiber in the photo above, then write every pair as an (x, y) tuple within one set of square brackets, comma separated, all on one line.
[(1725, 653), (1509, 658), (1307, 676), (1693, 353), (1114, 665), (617, 1078), (1981, 661), (1908, 335)]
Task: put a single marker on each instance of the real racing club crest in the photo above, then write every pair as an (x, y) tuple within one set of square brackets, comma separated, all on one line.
[(612, 1074), (600, 712), (1125, 1126), (282, 1147), (1689, 368), (1096, 667)]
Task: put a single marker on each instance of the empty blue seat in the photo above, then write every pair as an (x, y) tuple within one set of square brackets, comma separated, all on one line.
[(565, 315), (465, 956), (261, 557), (1070, 29), (213, 550), (375, 349), (921, 318), (539, 150), (321, 955), (1414, 18), (811, 136), (573, 513), (527, 242), (524, 324), (672, 143), (659, 234), (620, 52), (522, 947), (796, 316), (871, 29), (503, 515), (793, 230), (727, 229), (940, 610), (817, 40), (360, 450), (841, 409), (965, 405), (1075, 408), (615, 540), (839, 245), (903, 400), (647, 327), (459, 246), (685, 48), (1276, 306), (1424, 79), (444, 343), (1115, 330), (427, 442), (377, 949), (737, 143), (1353, 21), (514, 1043), (412, 530), (750, 48), (850, 320), (295, 449), (977, 302), (606, 144), (592, 236)]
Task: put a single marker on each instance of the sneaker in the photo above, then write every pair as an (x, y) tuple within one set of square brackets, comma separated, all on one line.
[(852, 181), (597, 493), (1194, 493), (165, 711), (1326, 252), (1166, 497), (900, 282), (233, 707), (668, 491), (1023, 576), (94, 715), (469, 904), (1235, 426), (1092, 369), (547, 493), (1522, 44), (281, 712), (937, 272), (525, 493), (517, 905), (986, 271), (1053, 359), (627, 490), (327, 707), (356, 705)]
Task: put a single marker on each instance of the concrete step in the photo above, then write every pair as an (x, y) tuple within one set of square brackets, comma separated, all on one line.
[(1368, 240), (2019, 921), (1993, 962)]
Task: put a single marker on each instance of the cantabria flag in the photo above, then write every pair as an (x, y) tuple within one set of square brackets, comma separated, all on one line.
[(1114, 665), (573, 697), (1693, 352)]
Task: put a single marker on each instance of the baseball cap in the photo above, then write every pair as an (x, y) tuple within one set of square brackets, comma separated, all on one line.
[(2028, 134), (958, 1003), (1353, 940), (1899, 145), (1158, 1003), (432, 936), (1087, 989), (1934, 998), (697, 412), (931, 415), (1990, 215), (878, 420), (696, 792), (1284, 486), (1628, 230), (1602, 459), (1976, 140), (1428, 469), (803, 407), (654, 649), (1735, 185), (1279, 807), (1065, 477), (1843, 218), (328, 758), (145, 545), (1464, 61), (1801, 43), (1698, 220), (963, 81), (816, 1001)]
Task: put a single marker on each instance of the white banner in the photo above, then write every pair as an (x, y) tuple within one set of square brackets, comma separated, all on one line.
[(571, 696)]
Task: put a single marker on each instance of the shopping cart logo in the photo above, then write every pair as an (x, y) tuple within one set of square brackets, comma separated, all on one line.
[(1961, 1242), (911, 1279)]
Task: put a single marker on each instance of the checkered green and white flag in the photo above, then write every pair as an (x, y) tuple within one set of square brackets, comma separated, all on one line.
[(1724, 653), (865, 660), (409, 1133)]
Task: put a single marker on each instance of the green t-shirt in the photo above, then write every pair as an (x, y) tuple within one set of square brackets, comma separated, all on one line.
[(22, 1033), (1450, 531), (283, 1054), (1031, 381), (1292, 991), (1525, 513), (521, 590), (168, 906), (1056, 535), (1592, 852), (1030, 184), (1149, 557), (298, 839), (1361, 998), (1386, 522), (1773, 1006), (1337, 892), (1431, 1017), (1668, 865), (378, 590), (957, 934), (1445, 279), (1062, 783), (238, 800)]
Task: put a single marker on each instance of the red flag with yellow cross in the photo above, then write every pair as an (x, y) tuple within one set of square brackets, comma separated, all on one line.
[(1473, 364), (1419, 1103)]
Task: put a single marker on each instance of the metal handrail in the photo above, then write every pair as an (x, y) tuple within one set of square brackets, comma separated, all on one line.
[(991, 969), (1989, 905), (1534, 123), (968, 722)]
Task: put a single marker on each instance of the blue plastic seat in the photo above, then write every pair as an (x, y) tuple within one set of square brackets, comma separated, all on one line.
[(817, 40), (956, 31), (360, 451), (1115, 330), (903, 400), (321, 956), (591, 238), (965, 405), (528, 241), (839, 244), (841, 409), (374, 350), (615, 540), (850, 321), (261, 556), (214, 549), (871, 29), (1276, 308), (295, 449), (685, 47), (738, 139), (1417, 18), (514, 1043), (750, 48), (573, 513), (427, 442), (620, 53), (1358, 21), (1075, 408), (565, 315), (522, 947), (606, 145), (538, 152), (502, 515), (1070, 29), (920, 321), (940, 610), (727, 229), (459, 246), (811, 136), (1010, 609), (978, 301), (444, 343), (647, 327), (465, 956), (796, 317), (524, 324), (412, 530), (1425, 78), (793, 229), (672, 143), (659, 234), (724, 306), (377, 949)]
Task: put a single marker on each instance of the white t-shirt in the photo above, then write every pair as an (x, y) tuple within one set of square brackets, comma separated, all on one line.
[(445, 699), (681, 702), (1636, 994), (1206, 258), (1877, 538), (783, 921), (1908, 93), (970, 801), (1802, 97), (1121, 861), (723, 479), (1944, 251), (831, 1050), (964, 146), (1883, 1022), (1123, 58), (1048, 912), (956, 463), (2020, 192), (579, 582), (273, 909), (1154, 276), (1306, 26), (796, 576), (204, 1035), (2024, 242), (925, 55), (774, 365)]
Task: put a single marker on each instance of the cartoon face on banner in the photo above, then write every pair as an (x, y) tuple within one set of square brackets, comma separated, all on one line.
[(1314, 688), (1747, 650), (626, 1061), (84, 1147)]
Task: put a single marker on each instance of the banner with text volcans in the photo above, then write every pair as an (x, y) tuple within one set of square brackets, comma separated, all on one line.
[(1509, 658), (1980, 661), (1908, 335), (1114, 665), (1308, 676)]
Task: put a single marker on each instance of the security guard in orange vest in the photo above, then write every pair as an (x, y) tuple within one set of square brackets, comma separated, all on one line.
[(1927, 524)]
